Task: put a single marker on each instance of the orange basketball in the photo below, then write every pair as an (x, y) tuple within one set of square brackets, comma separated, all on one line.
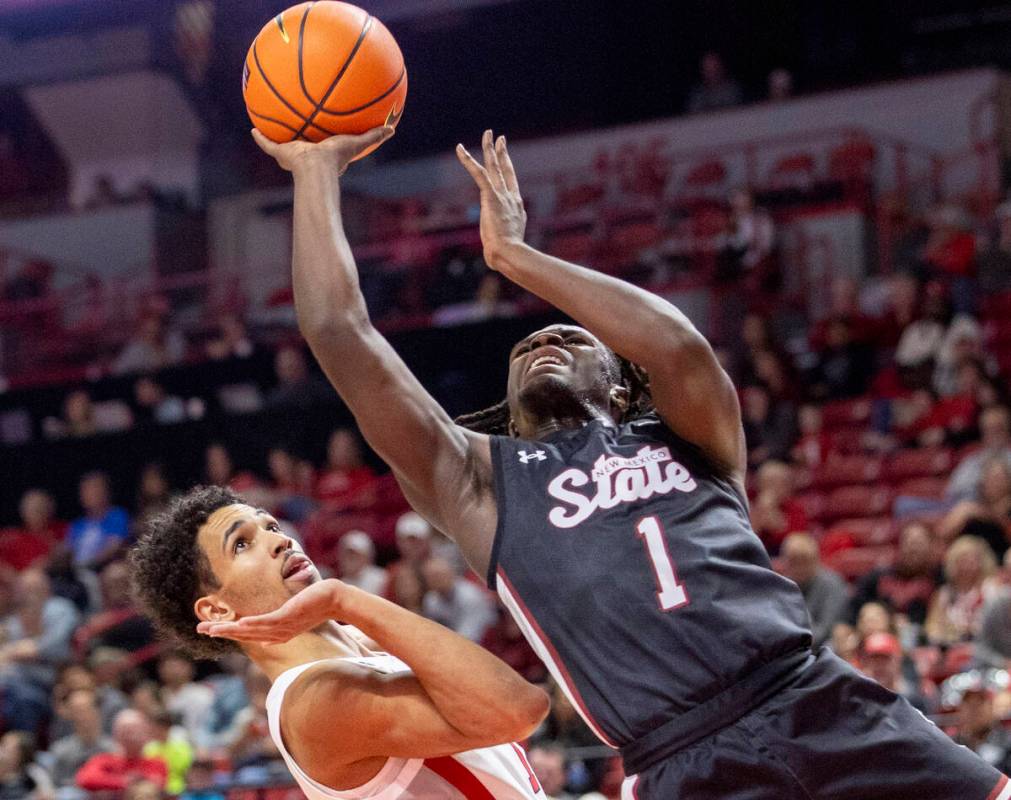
[(322, 68)]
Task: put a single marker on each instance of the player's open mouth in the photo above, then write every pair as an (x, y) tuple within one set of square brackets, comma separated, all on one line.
[(546, 360), (297, 566)]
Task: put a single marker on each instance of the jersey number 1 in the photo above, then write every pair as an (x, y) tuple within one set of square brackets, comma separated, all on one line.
[(670, 594)]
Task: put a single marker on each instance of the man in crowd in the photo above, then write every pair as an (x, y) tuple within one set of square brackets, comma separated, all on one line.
[(825, 592), (995, 433), (907, 586), (37, 639), (979, 728), (117, 770), (71, 752), (98, 536), (356, 560), (22, 547), (882, 661), (455, 602), (414, 543)]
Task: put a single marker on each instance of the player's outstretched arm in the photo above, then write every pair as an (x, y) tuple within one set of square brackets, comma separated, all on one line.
[(459, 697), (444, 470), (693, 394)]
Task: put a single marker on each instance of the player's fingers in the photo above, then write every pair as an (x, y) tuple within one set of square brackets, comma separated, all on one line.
[(506, 163), (491, 164), (267, 146), (365, 140), (477, 172)]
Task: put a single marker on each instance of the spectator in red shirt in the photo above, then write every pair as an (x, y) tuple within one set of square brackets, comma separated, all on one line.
[(906, 587), (775, 514), (22, 547), (115, 771), (346, 481), (951, 248)]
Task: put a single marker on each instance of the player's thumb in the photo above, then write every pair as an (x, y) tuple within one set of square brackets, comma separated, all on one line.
[(363, 141), (267, 146)]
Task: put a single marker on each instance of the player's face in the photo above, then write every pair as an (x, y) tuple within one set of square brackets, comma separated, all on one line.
[(257, 566), (556, 367)]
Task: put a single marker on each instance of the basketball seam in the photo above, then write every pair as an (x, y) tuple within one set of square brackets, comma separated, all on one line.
[(279, 96), (354, 51), (284, 125), (301, 37), (396, 83)]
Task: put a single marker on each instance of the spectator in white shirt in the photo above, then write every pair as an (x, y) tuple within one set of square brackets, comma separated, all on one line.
[(456, 602), (356, 562)]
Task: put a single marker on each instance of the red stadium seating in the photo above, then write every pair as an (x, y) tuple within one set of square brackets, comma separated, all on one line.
[(841, 470), (858, 561), (920, 463), (923, 487), (846, 413), (866, 531), (857, 501)]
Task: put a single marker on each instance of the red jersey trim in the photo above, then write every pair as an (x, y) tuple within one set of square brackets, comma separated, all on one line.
[(458, 776)]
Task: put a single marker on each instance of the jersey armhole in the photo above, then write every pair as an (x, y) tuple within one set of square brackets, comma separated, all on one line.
[(498, 476)]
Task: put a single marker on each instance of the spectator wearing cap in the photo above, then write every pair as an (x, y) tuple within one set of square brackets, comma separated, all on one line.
[(346, 481), (22, 547), (979, 728), (906, 586), (881, 660), (825, 592), (356, 563), (995, 433), (99, 535), (455, 602), (115, 771), (414, 544), (956, 611)]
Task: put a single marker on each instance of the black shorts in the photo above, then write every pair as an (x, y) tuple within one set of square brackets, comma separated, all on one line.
[(829, 734)]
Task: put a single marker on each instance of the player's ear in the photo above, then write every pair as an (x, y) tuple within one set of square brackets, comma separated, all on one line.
[(211, 608)]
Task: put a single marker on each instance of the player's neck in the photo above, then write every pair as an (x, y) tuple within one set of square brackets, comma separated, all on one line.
[(327, 641), (542, 428)]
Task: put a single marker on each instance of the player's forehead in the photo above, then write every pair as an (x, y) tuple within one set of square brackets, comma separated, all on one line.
[(221, 521)]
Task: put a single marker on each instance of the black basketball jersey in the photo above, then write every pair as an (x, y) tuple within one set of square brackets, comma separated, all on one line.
[(633, 571)]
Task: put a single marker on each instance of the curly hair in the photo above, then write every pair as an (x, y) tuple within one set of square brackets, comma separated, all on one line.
[(495, 420), (170, 571)]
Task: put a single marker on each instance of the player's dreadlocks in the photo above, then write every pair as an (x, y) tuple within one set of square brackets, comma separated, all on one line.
[(494, 420)]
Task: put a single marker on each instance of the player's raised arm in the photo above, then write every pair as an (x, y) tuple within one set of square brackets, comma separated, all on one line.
[(692, 393), (459, 696), (444, 470)]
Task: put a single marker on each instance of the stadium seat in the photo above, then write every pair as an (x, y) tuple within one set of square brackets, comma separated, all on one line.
[(918, 463), (813, 504), (846, 413), (792, 171), (930, 487), (858, 561), (866, 531), (857, 501), (840, 470)]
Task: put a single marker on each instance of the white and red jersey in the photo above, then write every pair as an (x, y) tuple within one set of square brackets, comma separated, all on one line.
[(491, 773)]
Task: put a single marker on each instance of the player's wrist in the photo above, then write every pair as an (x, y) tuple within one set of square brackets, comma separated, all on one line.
[(506, 255)]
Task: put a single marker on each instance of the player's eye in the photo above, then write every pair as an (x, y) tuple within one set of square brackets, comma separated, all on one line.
[(274, 527), (240, 541)]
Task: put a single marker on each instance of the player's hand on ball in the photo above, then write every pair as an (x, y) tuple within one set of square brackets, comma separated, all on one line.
[(503, 218), (336, 151), (310, 608)]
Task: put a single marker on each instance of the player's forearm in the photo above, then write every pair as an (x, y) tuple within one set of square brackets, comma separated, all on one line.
[(477, 693), (324, 276), (637, 324)]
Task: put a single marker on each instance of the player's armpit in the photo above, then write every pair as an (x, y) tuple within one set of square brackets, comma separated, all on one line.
[(697, 400), (340, 714)]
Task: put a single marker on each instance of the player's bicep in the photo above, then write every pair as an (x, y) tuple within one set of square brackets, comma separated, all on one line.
[(697, 400), (374, 715)]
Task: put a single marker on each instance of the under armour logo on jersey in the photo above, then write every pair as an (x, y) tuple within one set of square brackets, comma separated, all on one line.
[(537, 455)]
